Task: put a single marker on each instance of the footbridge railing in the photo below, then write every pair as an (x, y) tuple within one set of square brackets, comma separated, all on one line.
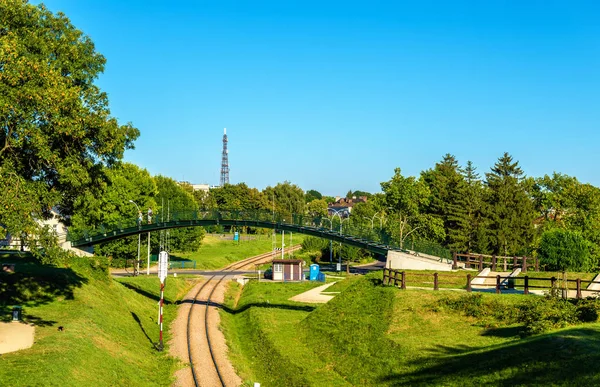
[(349, 234)]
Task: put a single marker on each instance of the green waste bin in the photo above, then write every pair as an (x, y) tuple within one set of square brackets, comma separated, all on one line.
[(16, 313)]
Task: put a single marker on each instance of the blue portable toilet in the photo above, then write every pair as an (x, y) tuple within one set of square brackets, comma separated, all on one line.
[(314, 272), (236, 236)]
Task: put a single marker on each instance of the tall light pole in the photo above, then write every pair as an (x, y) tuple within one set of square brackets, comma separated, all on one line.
[(137, 267), (330, 242), (337, 212)]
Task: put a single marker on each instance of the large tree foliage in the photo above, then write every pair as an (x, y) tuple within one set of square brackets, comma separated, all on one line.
[(56, 131), (447, 202), (562, 249), (287, 198), (236, 197), (110, 204), (406, 198), (510, 208), (174, 202)]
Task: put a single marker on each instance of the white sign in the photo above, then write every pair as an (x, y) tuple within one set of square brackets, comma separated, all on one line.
[(163, 265)]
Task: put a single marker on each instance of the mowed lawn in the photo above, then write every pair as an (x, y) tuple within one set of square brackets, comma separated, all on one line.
[(217, 251), (374, 335)]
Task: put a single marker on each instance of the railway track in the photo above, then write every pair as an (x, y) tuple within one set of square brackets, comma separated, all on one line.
[(197, 347)]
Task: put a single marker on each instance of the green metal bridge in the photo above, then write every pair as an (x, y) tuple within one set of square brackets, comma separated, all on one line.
[(370, 240)]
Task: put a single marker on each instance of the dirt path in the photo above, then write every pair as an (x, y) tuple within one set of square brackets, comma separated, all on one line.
[(15, 336), (203, 363)]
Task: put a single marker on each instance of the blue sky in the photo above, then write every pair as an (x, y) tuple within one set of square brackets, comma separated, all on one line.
[(334, 95)]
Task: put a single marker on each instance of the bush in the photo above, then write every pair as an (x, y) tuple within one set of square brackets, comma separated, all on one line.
[(588, 309), (565, 250), (543, 314)]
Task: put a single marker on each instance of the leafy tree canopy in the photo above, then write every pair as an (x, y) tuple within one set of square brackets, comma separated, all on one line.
[(562, 249), (56, 131), (311, 195)]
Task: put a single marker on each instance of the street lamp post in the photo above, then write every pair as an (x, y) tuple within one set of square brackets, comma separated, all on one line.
[(337, 213), (137, 264), (330, 242)]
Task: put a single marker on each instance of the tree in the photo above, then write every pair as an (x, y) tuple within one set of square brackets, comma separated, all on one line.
[(288, 198), (238, 197), (447, 200), (562, 249), (406, 197), (109, 204), (175, 202), (510, 210), (56, 132), (311, 195), (583, 214), (316, 208)]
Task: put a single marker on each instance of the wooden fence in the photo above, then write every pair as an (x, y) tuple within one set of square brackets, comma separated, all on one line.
[(398, 279), (480, 261)]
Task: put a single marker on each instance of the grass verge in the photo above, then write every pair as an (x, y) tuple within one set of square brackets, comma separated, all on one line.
[(109, 328)]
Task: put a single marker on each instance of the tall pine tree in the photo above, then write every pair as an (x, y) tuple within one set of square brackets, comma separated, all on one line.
[(470, 235), (510, 210), (447, 199)]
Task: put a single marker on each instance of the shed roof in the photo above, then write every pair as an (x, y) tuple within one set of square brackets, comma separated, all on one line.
[(287, 260)]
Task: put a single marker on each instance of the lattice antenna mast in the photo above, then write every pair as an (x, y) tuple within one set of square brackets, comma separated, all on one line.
[(224, 161)]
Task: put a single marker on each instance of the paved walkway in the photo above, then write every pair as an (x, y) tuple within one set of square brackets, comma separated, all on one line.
[(15, 336), (314, 295)]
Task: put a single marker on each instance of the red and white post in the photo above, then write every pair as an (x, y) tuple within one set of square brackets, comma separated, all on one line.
[(160, 306), (163, 264)]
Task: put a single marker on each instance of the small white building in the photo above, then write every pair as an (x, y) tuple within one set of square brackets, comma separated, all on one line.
[(287, 270)]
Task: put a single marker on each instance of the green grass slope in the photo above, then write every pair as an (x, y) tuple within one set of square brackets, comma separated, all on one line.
[(375, 335), (109, 328), (217, 252)]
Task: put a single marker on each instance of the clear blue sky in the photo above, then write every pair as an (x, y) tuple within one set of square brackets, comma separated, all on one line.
[(334, 95)]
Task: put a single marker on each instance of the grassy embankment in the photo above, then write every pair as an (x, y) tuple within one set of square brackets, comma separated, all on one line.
[(109, 326), (374, 335), (217, 252)]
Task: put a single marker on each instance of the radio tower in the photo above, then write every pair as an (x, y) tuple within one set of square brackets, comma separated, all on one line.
[(224, 161)]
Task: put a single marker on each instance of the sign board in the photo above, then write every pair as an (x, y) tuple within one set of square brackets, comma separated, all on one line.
[(163, 265), (338, 267)]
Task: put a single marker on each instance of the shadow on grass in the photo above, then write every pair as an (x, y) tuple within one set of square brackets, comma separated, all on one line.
[(33, 284), (504, 332), (568, 357), (144, 292), (137, 320), (266, 305)]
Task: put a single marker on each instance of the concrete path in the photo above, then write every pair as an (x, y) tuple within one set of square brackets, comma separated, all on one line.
[(15, 336), (314, 295)]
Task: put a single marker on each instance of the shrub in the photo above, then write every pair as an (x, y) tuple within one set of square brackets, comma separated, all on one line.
[(542, 314), (588, 309)]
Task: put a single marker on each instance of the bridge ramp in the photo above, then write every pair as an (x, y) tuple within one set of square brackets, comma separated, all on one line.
[(402, 260)]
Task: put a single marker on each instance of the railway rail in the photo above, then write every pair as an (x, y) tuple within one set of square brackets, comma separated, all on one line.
[(197, 301)]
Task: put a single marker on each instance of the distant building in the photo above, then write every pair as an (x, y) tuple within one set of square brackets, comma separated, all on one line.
[(344, 206), (54, 223), (200, 187)]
